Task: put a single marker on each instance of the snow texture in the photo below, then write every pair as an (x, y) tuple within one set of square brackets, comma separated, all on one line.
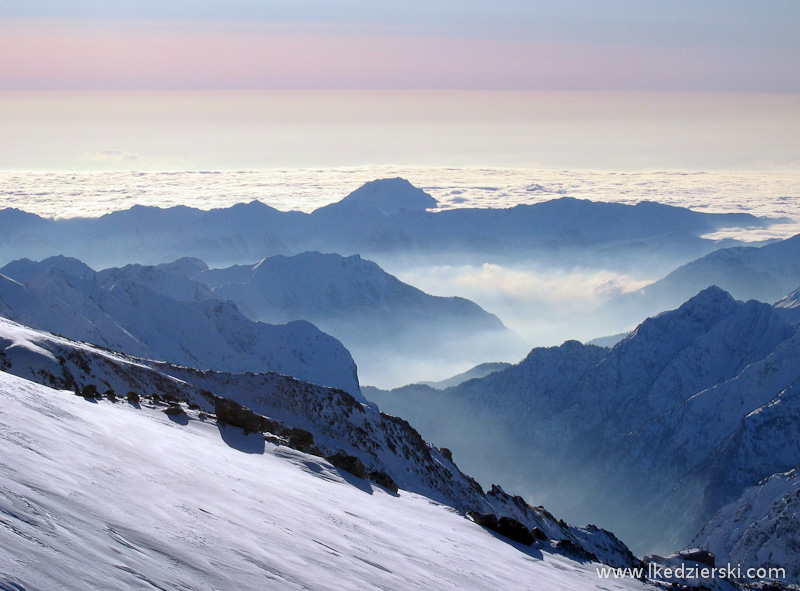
[(108, 496)]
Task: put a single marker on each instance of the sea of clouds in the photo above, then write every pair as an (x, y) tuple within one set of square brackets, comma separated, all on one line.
[(59, 194)]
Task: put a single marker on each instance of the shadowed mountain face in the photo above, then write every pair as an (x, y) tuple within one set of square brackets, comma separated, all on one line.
[(393, 329), (676, 419), (386, 217), (158, 313)]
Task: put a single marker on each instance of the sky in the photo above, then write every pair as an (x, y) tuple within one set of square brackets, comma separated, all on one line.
[(212, 84), (730, 45)]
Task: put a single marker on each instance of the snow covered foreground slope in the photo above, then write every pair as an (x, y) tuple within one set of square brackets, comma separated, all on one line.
[(321, 421), (108, 496)]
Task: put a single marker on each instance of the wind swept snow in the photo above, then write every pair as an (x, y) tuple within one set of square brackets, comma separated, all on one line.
[(108, 496)]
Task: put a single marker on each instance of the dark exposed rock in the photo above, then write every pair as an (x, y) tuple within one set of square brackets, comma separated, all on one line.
[(488, 520), (574, 550), (303, 440), (381, 478), (514, 530), (447, 453), (89, 391), (132, 397), (538, 534), (174, 410), (349, 464), (235, 414)]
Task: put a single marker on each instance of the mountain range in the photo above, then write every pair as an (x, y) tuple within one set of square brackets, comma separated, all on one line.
[(388, 217), (766, 273), (227, 319), (761, 529), (158, 313)]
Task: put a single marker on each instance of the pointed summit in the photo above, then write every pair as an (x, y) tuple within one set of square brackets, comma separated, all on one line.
[(392, 195)]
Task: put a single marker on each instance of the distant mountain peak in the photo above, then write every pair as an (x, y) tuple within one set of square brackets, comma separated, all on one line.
[(711, 299), (22, 270), (392, 195)]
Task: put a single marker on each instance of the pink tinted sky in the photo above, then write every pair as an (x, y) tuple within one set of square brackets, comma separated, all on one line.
[(58, 62), (727, 46)]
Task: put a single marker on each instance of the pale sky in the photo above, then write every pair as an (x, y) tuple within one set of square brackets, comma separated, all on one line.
[(610, 84), (713, 45)]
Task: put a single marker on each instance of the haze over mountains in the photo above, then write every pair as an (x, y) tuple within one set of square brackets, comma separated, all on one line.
[(765, 273), (391, 328), (678, 418), (223, 318), (693, 414), (176, 321), (544, 269)]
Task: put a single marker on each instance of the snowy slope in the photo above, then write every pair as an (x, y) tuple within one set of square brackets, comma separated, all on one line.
[(389, 327), (321, 421), (108, 496), (761, 528), (157, 313), (789, 307)]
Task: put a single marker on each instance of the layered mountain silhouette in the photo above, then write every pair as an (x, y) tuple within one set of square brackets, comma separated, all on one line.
[(384, 322), (383, 218), (223, 318), (765, 273)]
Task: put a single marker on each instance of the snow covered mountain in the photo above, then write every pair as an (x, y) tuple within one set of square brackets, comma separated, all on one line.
[(761, 529), (392, 195), (383, 218), (389, 327), (196, 469), (159, 313), (677, 419)]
